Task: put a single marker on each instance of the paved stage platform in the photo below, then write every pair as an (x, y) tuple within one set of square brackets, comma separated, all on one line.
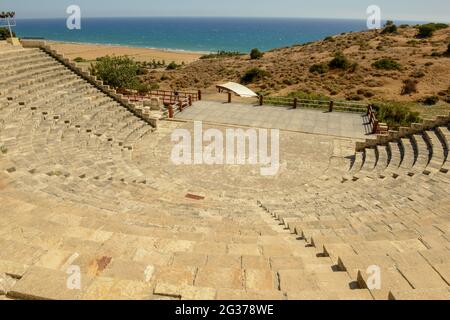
[(341, 124)]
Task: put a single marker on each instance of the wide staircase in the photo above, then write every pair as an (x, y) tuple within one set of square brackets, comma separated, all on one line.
[(80, 220), (388, 216)]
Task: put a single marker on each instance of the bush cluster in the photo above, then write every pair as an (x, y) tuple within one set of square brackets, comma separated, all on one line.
[(396, 114), (320, 68), (430, 100), (221, 54), (387, 64), (427, 30), (4, 34), (256, 54), (172, 66), (253, 75), (339, 61), (118, 72), (153, 64), (389, 27)]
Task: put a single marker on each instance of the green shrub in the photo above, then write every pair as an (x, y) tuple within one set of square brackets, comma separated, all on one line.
[(430, 100), (172, 66), (320, 68), (427, 30), (79, 59), (253, 75), (3, 150), (152, 64), (438, 26), (386, 64), (390, 27), (340, 61), (447, 53), (396, 114), (221, 54), (256, 54), (409, 86), (118, 72), (4, 34)]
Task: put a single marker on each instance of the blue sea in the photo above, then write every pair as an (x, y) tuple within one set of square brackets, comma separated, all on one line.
[(190, 34)]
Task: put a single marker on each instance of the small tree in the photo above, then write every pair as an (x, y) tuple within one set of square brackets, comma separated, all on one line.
[(118, 72), (256, 54), (4, 34)]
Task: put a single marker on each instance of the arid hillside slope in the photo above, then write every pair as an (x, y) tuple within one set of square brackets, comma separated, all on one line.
[(288, 69)]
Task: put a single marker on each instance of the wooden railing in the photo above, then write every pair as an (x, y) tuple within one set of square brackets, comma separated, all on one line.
[(179, 106), (377, 127), (329, 105), (167, 97)]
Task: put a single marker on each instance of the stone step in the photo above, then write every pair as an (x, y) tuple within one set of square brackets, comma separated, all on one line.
[(412, 294)]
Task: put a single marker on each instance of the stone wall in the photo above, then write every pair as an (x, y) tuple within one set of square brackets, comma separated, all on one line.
[(403, 132)]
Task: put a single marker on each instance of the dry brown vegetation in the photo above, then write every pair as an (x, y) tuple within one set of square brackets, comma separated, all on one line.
[(288, 69)]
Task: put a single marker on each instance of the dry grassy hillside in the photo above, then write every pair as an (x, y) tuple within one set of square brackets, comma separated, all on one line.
[(288, 69)]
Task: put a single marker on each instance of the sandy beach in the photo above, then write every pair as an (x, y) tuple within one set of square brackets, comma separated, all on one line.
[(92, 51)]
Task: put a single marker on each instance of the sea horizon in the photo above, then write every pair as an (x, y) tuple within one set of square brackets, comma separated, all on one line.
[(191, 34)]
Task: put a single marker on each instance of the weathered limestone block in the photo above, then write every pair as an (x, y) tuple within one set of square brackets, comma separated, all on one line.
[(154, 104)]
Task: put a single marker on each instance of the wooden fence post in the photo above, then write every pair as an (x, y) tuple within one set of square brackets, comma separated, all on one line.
[(190, 100), (330, 109), (170, 112), (180, 104), (229, 97), (375, 127), (261, 100), (295, 103), (199, 95)]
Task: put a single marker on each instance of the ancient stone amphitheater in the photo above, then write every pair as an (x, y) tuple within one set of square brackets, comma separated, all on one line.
[(86, 185)]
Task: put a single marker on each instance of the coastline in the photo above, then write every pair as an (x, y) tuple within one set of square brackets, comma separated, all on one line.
[(91, 51)]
